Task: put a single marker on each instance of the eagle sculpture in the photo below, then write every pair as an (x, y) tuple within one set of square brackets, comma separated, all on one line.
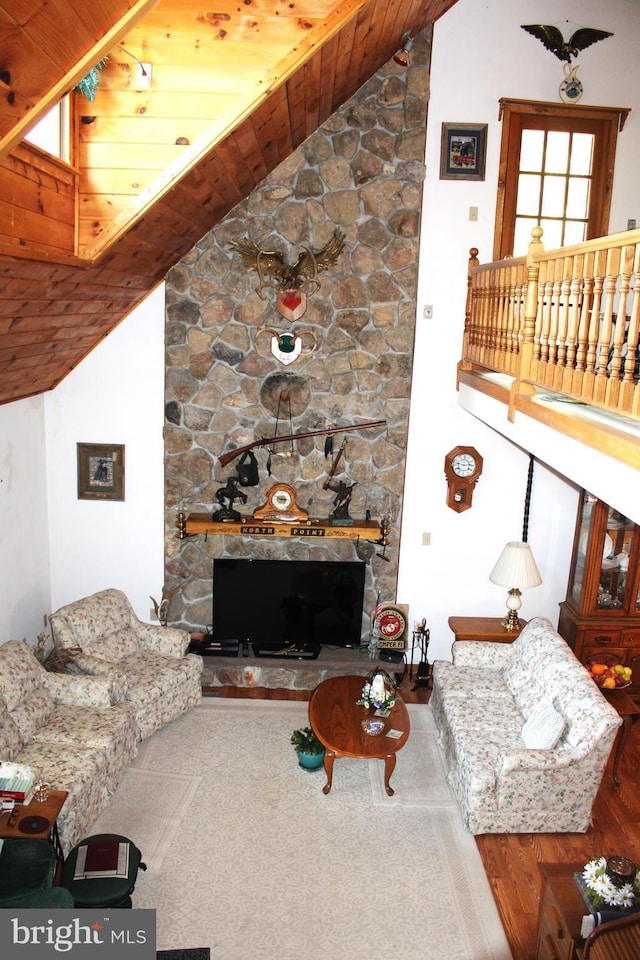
[(554, 41), (274, 271)]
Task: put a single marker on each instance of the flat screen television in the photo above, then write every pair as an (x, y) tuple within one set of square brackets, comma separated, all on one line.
[(299, 605)]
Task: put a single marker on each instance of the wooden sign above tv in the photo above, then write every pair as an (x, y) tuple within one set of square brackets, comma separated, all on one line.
[(248, 527)]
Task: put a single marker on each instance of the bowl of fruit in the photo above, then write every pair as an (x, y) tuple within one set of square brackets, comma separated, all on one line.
[(608, 672)]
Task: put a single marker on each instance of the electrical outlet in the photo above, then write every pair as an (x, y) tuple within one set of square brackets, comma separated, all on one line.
[(631, 224), (152, 614), (427, 313)]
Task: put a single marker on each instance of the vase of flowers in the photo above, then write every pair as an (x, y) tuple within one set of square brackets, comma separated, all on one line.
[(378, 691), (606, 885)]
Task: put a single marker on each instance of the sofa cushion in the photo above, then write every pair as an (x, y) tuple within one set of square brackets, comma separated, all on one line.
[(543, 728), (23, 688)]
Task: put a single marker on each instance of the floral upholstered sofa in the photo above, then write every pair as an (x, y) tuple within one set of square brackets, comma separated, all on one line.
[(525, 732), (104, 637), (75, 731)]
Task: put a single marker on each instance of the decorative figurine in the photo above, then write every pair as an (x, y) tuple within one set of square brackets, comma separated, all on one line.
[(343, 493), (230, 494)]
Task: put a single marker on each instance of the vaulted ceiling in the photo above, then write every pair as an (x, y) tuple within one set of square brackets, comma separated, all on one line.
[(193, 109)]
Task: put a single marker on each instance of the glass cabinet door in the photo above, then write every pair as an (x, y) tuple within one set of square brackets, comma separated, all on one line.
[(605, 564), (614, 570)]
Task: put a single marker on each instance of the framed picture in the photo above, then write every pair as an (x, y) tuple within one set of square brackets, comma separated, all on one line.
[(463, 151), (100, 471)]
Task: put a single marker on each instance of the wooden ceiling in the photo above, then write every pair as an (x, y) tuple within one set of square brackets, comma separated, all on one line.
[(160, 156)]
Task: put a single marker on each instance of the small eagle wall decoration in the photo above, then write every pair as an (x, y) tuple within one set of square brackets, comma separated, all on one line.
[(291, 281), (553, 40)]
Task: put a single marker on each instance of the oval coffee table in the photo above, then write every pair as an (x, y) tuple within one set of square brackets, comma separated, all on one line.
[(337, 722)]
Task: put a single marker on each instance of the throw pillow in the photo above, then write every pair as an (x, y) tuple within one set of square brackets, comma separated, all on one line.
[(543, 728)]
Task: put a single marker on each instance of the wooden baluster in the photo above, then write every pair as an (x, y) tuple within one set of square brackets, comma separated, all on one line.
[(563, 323), (583, 330), (629, 378), (556, 292), (619, 327), (575, 293), (606, 326), (599, 268)]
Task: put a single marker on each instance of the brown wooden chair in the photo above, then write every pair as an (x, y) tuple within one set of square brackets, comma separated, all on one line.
[(615, 940)]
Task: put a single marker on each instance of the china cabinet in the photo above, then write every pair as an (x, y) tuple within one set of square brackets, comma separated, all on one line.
[(601, 615)]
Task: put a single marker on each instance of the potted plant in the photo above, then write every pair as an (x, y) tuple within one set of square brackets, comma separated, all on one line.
[(309, 749)]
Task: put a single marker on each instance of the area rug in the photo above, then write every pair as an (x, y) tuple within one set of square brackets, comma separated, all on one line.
[(246, 855)]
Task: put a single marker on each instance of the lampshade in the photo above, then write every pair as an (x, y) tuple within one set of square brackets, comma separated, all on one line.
[(515, 568)]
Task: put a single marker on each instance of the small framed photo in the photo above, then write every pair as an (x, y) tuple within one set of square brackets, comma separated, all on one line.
[(463, 151), (100, 471)]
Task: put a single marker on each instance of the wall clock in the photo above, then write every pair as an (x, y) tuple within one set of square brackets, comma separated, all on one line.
[(462, 468), (281, 506)]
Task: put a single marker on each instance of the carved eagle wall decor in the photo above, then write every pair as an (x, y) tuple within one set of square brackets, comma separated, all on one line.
[(274, 271), (553, 40)]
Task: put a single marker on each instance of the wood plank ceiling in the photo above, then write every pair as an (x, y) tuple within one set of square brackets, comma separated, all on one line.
[(160, 155)]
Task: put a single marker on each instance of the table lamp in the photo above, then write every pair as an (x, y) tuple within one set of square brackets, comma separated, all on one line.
[(515, 565)]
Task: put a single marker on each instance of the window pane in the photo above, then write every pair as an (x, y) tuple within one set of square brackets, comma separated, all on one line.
[(528, 195), (522, 236), (574, 232), (552, 236), (553, 196), (577, 197), (581, 153), (531, 147), (46, 133), (557, 159)]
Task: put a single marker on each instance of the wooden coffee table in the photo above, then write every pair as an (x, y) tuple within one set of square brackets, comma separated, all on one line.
[(337, 722)]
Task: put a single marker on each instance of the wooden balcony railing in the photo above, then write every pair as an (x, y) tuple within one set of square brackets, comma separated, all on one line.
[(565, 320)]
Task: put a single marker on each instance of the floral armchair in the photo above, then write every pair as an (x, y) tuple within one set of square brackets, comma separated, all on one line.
[(151, 662)]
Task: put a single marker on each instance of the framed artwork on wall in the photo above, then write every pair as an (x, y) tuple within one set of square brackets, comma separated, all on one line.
[(100, 471), (463, 151)]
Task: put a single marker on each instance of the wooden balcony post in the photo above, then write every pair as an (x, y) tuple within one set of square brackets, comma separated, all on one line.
[(524, 375), (469, 335)]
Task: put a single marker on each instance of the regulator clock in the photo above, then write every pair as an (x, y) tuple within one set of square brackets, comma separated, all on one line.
[(462, 468)]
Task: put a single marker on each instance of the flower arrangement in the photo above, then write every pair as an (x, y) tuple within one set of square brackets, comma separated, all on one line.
[(378, 691), (602, 888)]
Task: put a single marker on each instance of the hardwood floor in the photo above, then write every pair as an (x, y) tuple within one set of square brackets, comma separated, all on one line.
[(512, 861)]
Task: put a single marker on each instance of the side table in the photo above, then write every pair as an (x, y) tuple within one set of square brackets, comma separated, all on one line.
[(36, 820), (482, 628), (561, 911), (629, 711)]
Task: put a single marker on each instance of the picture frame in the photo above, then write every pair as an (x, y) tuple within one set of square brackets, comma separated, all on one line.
[(463, 151), (100, 471)]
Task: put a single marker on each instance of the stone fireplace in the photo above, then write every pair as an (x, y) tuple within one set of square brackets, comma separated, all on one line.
[(360, 172)]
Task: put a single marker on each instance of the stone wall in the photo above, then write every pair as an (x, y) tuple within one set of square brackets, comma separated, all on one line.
[(361, 172)]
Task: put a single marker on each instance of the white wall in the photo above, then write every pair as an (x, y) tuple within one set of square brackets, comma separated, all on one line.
[(24, 537), (480, 54), (115, 396)]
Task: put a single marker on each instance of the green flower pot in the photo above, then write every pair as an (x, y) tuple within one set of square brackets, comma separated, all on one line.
[(310, 761)]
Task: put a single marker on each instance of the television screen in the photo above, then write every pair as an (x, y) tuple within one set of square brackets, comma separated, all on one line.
[(280, 603)]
